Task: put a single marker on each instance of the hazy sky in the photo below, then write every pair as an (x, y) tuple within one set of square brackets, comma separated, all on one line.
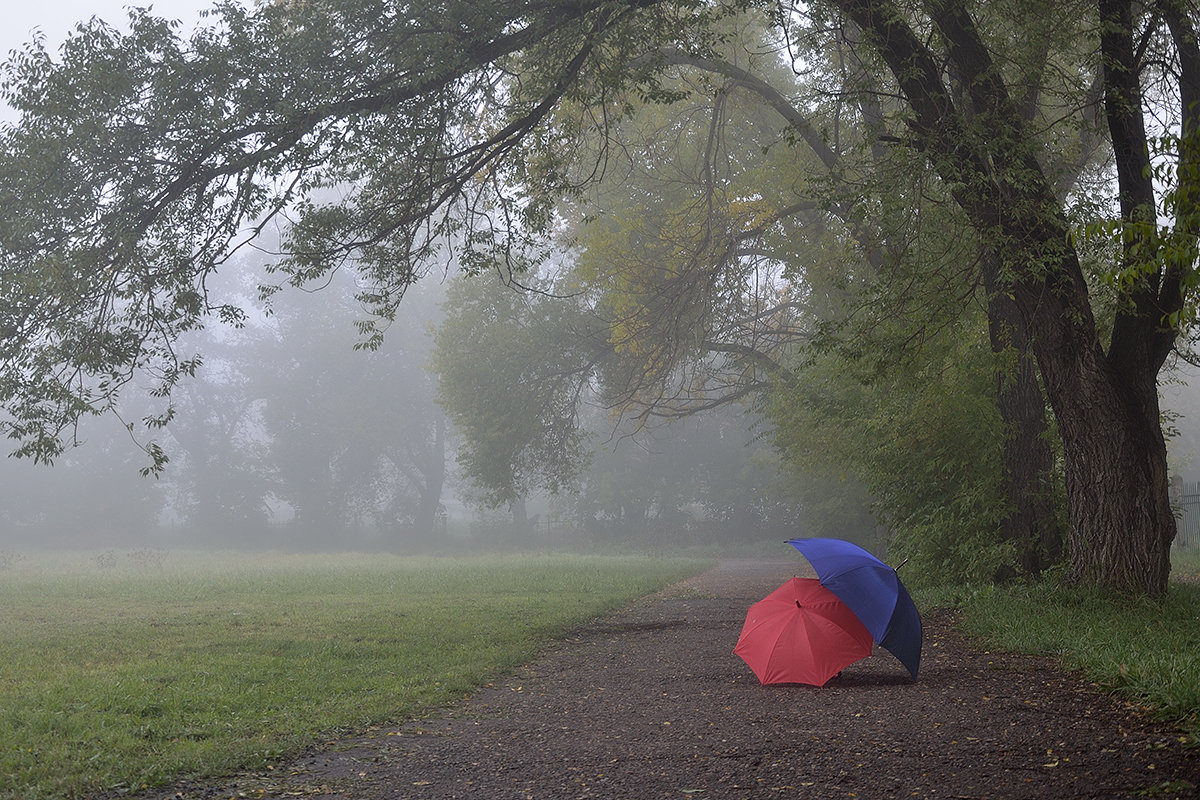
[(56, 17)]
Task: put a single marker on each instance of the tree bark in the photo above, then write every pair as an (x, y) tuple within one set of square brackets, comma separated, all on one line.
[(1122, 524), (1032, 524)]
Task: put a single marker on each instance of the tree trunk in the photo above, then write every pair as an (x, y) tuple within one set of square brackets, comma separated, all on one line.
[(431, 484), (1032, 523), (1118, 502), (1118, 495), (520, 516), (1121, 524)]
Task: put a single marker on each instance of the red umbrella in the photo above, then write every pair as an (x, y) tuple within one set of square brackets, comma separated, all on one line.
[(801, 633)]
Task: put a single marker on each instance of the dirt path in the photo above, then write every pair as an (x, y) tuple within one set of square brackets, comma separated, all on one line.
[(651, 703)]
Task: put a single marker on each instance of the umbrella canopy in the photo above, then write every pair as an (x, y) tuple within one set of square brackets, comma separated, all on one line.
[(801, 633), (873, 591)]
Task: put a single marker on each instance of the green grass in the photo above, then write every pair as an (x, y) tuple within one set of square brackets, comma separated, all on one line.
[(136, 675), (1147, 650)]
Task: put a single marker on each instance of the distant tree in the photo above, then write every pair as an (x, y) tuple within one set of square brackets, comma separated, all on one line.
[(224, 477), (285, 418), (513, 369), (522, 374), (356, 439)]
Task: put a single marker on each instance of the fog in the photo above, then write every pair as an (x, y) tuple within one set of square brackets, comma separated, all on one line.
[(1181, 407), (290, 438)]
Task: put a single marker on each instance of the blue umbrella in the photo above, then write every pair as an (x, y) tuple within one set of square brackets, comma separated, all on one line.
[(873, 591)]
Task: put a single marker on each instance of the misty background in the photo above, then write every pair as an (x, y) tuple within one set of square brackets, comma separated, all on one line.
[(289, 437)]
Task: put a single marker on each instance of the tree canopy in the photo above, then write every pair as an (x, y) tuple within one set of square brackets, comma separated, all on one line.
[(394, 135)]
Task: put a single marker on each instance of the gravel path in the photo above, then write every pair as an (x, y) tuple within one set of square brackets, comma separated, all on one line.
[(650, 702)]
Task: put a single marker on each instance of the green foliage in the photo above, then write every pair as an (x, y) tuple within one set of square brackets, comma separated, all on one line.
[(143, 160), (137, 675), (923, 439), (1151, 248), (697, 214), (513, 368)]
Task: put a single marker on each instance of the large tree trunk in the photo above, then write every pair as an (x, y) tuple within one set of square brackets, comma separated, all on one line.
[(1118, 503), (1122, 524), (1117, 493), (1032, 523)]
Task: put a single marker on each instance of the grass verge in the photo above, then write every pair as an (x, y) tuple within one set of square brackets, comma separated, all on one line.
[(1147, 650), (135, 675)]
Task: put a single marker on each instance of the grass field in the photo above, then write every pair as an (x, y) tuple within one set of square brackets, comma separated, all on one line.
[(120, 672), (1147, 650)]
